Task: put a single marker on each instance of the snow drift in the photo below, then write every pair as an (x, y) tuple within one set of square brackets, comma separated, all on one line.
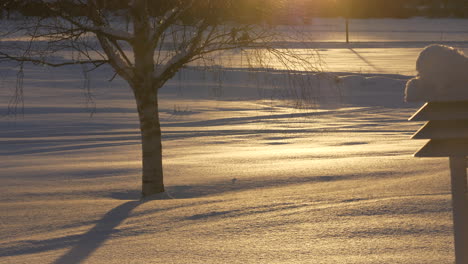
[(442, 75)]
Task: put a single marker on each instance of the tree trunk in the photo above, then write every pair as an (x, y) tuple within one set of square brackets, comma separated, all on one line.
[(152, 179), (146, 93)]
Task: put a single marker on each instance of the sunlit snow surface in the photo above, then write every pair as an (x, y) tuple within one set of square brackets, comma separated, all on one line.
[(254, 178)]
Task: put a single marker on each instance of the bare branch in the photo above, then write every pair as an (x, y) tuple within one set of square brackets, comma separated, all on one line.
[(4, 56), (185, 55), (100, 26)]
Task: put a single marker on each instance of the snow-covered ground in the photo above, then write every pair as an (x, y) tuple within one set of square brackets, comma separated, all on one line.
[(255, 179)]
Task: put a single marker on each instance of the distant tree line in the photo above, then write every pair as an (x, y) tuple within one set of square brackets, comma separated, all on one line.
[(387, 8), (269, 11), (244, 11)]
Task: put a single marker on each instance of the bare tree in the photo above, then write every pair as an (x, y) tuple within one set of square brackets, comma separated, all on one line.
[(146, 43)]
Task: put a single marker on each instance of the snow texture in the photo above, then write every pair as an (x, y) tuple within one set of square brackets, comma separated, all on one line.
[(336, 184), (442, 76), (254, 180)]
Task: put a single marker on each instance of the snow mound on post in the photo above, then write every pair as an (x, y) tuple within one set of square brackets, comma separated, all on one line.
[(442, 76)]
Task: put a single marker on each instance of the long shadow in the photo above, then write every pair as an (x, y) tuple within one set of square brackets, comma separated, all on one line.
[(94, 238), (83, 245), (365, 60), (243, 120), (216, 188)]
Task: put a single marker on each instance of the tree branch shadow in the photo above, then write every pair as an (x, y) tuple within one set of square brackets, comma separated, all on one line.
[(94, 238)]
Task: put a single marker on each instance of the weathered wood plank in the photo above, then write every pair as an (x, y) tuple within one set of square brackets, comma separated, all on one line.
[(444, 148), (460, 208), (455, 110), (443, 129)]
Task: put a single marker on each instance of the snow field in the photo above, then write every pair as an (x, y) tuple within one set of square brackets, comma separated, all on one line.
[(254, 178), (330, 185)]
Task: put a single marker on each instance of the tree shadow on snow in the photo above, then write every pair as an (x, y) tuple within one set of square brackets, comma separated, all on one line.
[(83, 245), (94, 238)]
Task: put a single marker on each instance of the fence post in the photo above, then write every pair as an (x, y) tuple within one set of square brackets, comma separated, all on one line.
[(460, 207), (447, 130)]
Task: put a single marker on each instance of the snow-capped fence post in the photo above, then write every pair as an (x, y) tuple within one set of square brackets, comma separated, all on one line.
[(447, 130)]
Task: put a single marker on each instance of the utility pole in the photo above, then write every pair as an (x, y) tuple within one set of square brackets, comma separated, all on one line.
[(347, 29), (348, 12)]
